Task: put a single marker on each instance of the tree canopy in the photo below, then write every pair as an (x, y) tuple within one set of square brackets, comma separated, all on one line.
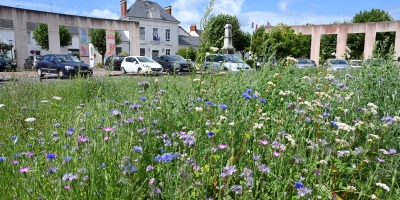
[(41, 36), (4, 47), (98, 40), (187, 52)]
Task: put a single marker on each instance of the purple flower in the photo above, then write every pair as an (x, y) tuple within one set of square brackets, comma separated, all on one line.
[(257, 157), (303, 191), (14, 162), (325, 114), (2, 158), (223, 106), (263, 168), (138, 149), (222, 146), (52, 170), (210, 134), (263, 100), (393, 151), (210, 103), (237, 189), (249, 91), (298, 185), (67, 187), (135, 106), (51, 156), (264, 142), (70, 131), (30, 154), (166, 157), (24, 169), (82, 139), (69, 177), (198, 99), (387, 119), (143, 98), (115, 112), (108, 129), (228, 171), (149, 168), (14, 137), (333, 123), (187, 139), (380, 160), (67, 158)]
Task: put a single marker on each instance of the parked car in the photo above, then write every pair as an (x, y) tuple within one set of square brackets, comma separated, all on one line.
[(62, 65), (304, 63), (117, 60), (338, 64), (31, 61), (225, 62), (327, 62), (265, 59), (140, 65), (356, 64), (375, 62), (175, 63), (7, 64)]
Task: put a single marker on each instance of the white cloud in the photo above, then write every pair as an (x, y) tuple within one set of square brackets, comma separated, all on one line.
[(188, 12), (105, 14), (232, 7), (282, 4)]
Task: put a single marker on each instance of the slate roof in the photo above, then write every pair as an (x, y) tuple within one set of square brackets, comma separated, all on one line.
[(140, 7), (188, 40)]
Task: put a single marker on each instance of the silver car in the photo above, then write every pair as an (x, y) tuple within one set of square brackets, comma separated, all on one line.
[(338, 64), (225, 62), (304, 63)]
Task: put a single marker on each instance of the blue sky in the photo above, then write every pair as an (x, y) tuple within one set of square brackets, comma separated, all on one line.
[(291, 12)]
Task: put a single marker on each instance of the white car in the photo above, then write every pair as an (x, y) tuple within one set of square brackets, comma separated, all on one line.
[(356, 64), (140, 65)]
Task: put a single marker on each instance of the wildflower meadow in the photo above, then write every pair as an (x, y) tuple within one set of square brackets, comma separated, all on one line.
[(276, 133)]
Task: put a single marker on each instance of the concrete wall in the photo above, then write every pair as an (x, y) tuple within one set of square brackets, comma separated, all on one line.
[(53, 20), (370, 30)]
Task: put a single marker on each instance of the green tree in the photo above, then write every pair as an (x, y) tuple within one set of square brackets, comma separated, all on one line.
[(243, 46), (257, 40), (384, 40), (41, 36), (4, 47), (98, 39), (187, 52)]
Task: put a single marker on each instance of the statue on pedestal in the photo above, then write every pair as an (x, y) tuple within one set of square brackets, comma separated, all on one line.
[(228, 48)]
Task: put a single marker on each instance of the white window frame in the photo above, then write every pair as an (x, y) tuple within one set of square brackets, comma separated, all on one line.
[(167, 51), (144, 33), (168, 35)]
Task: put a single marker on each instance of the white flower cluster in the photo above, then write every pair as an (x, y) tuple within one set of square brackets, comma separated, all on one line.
[(271, 84), (384, 186), (290, 139), (291, 59), (276, 75), (258, 126), (329, 77), (322, 95), (372, 108), (198, 109), (57, 98), (375, 136), (345, 127), (285, 93), (305, 78), (348, 96), (215, 49), (2, 105), (350, 187)]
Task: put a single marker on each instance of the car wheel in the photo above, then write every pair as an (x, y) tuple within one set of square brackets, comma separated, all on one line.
[(139, 72), (39, 72), (123, 72), (170, 71), (60, 73)]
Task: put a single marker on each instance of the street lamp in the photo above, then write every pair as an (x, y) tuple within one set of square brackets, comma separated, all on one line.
[(12, 55)]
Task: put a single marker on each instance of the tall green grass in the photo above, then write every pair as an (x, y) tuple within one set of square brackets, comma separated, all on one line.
[(269, 134)]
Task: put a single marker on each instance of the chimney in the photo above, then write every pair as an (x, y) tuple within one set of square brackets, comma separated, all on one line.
[(123, 8), (193, 27), (168, 9)]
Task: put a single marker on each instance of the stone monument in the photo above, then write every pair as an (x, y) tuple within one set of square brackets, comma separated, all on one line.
[(228, 48)]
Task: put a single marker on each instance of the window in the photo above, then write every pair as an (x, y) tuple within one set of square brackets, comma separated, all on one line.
[(167, 51), (118, 50), (142, 33), (167, 35), (142, 51), (37, 53), (155, 34), (29, 38)]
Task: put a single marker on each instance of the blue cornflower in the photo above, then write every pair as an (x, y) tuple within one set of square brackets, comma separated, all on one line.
[(256, 157), (255, 95), (210, 134), (167, 142), (51, 156), (249, 91), (67, 158), (143, 98), (246, 96), (223, 106), (103, 165), (138, 149), (70, 131), (52, 170), (333, 123), (325, 114), (387, 119), (263, 100), (166, 157), (210, 103), (198, 99), (14, 137), (115, 112), (298, 185), (17, 155), (187, 139), (2, 158)]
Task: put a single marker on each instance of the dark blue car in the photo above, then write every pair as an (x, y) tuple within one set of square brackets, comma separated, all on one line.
[(62, 65)]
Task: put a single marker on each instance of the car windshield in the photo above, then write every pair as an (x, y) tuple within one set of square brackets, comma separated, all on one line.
[(145, 59), (38, 57), (176, 58), (67, 58), (358, 62), (6, 58), (233, 58), (341, 62), (304, 61)]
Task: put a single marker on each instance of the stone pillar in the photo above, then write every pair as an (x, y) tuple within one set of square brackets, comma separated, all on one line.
[(397, 41), (20, 36), (228, 48), (54, 33), (341, 43), (370, 36), (315, 44), (134, 45)]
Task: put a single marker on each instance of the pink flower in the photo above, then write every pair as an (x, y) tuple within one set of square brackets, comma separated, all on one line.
[(67, 187), (140, 118), (30, 154), (386, 152), (380, 160), (108, 129), (24, 169), (222, 146), (40, 133), (276, 154), (82, 139), (14, 162), (106, 137), (264, 142)]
